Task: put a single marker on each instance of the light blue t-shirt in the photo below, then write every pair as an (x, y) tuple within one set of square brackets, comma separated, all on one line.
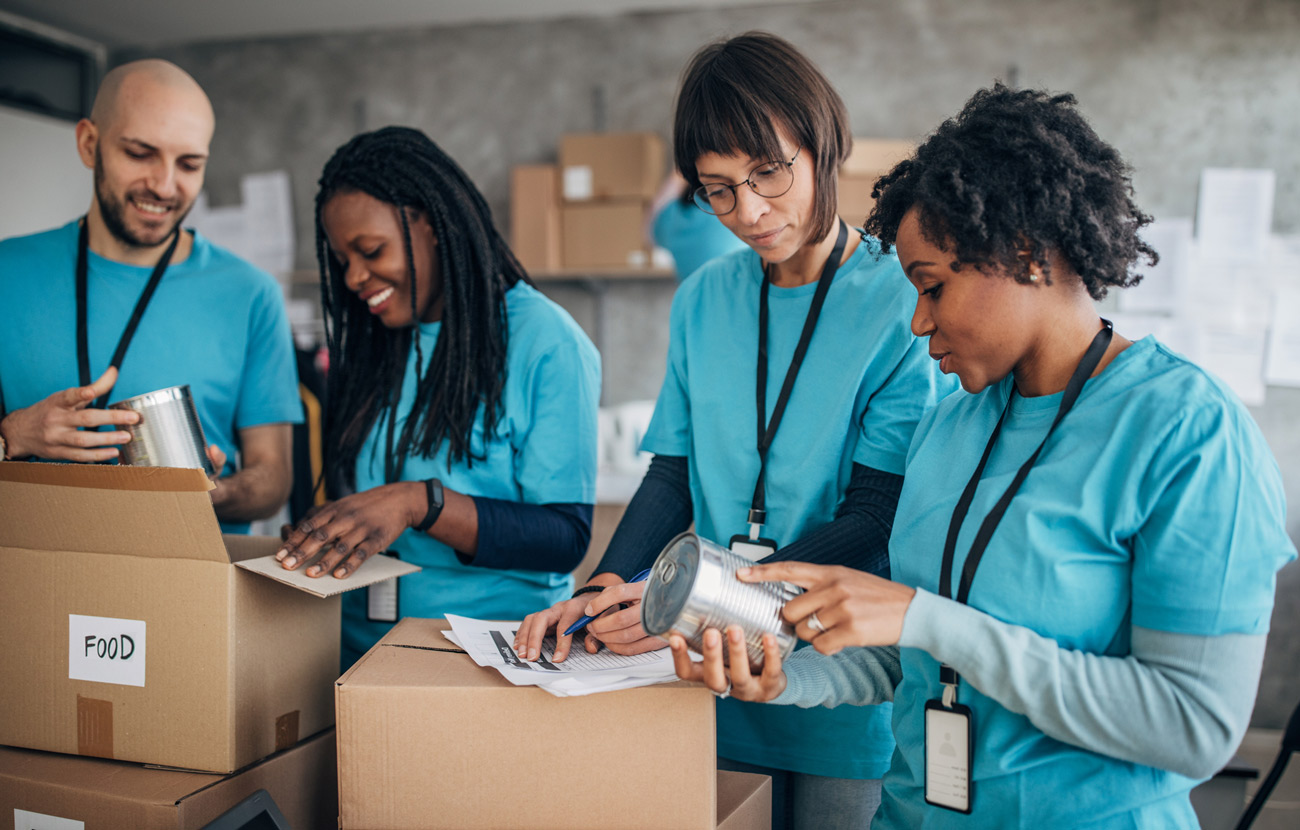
[(216, 323), (543, 452), (692, 236), (864, 383), (1155, 504)]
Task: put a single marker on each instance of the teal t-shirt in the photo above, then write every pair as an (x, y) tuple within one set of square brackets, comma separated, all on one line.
[(216, 323), (1156, 503), (692, 236), (864, 383), (542, 452)]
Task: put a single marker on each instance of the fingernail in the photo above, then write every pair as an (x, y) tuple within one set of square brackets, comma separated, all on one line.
[(587, 612), (560, 655), (340, 572), (291, 561), (532, 654), (742, 571), (734, 634), (280, 554)]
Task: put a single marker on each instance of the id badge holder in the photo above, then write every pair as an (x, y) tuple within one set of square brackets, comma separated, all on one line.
[(752, 549), (948, 756), (382, 598)]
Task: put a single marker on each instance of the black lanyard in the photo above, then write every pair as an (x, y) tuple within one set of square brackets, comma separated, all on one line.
[(83, 345), (1081, 374), (767, 429)]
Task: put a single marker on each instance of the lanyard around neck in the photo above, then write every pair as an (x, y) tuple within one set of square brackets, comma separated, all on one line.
[(767, 429), (83, 344), (1091, 358)]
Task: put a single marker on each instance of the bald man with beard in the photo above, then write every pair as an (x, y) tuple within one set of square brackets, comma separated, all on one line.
[(206, 318)]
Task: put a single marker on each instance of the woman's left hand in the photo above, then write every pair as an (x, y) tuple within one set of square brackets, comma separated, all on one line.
[(851, 608), (352, 529)]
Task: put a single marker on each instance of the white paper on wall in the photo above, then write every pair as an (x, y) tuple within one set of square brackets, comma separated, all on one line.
[(1236, 356), (1234, 213), (1162, 284), (1283, 365)]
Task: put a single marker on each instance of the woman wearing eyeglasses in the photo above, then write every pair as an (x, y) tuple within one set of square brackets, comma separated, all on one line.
[(793, 387), (1086, 547)]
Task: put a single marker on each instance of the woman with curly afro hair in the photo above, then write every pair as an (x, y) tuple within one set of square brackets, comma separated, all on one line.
[(1086, 545)]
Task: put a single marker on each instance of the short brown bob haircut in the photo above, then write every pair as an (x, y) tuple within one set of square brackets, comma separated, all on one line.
[(737, 93)]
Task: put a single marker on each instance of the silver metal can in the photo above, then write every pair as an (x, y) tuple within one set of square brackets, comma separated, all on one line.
[(168, 434), (693, 587)]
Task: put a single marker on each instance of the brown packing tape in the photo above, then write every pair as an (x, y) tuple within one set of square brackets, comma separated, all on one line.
[(94, 727), (286, 730)]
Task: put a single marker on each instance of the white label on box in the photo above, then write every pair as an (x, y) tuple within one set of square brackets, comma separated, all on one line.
[(579, 182), (106, 650), (23, 820)]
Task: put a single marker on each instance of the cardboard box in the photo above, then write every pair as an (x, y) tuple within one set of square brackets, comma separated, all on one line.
[(874, 156), (854, 201), (611, 165), (607, 234), (535, 216), (869, 160), (744, 801), (429, 739), (131, 634), (46, 791)]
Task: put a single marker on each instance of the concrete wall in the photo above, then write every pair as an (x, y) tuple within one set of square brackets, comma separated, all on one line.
[(1177, 85)]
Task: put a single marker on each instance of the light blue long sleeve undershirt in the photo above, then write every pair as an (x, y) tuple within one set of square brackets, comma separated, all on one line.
[(1178, 702)]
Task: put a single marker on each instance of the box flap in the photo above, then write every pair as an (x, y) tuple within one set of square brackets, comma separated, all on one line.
[(375, 569), (157, 512)]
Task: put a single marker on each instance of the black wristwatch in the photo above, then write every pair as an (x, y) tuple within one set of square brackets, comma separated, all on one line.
[(433, 487)]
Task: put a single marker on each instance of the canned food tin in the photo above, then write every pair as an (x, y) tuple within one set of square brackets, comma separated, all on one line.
[(168, 434), (693, 587)]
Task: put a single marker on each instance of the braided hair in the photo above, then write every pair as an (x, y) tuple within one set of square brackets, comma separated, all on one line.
[(1020, 170), (404, 168)]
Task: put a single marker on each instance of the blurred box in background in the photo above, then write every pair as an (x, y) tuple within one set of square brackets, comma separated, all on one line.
[(48, 791), (429, 739), (869, 160), (535, 216), (611, 165), (606, 234)]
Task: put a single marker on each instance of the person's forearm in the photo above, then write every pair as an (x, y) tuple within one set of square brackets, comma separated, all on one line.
[(252, 493), (855, 676), (533, 537), (660, 509), (1177, 702), (858, 536)]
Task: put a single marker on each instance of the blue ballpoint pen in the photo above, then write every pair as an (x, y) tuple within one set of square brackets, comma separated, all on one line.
[(641, 577)]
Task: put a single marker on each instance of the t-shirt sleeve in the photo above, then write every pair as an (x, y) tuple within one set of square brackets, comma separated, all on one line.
[(556, 448), (893, 410), (268, 392), (1213, 534), (669, 432)]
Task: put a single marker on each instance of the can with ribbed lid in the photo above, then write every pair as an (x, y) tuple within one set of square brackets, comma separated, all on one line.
[(693, 587), (168, 434)]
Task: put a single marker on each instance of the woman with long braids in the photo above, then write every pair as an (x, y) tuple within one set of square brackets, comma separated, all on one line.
[(1086, 546), (461, 403)]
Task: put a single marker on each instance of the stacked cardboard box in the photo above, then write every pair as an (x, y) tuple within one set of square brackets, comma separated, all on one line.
[(589, 211), (134, 631), (47, 791), (428, 739), (869, 160)]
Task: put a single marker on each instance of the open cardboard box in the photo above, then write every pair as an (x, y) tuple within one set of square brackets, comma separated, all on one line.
[(131, 634), (428, 739), (47, 791)]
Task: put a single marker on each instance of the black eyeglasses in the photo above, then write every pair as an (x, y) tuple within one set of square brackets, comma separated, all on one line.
[(769, 180)]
